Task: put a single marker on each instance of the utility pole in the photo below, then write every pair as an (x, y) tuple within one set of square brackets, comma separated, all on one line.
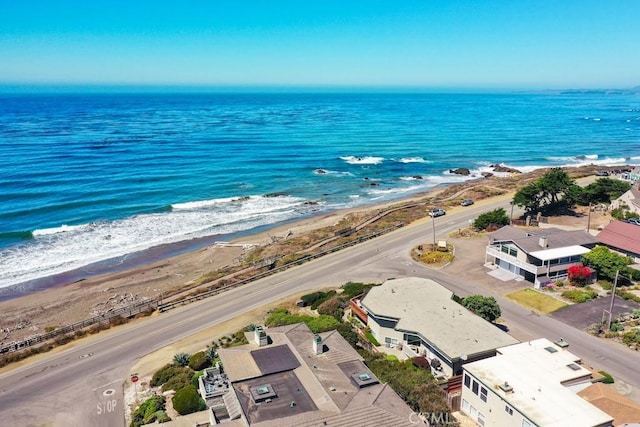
[(511, 216), (589, 219), (433, 225), (613, 297)]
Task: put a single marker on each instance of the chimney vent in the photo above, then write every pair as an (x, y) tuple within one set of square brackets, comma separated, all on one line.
[(260, 336), (542, 241), (318, 345)]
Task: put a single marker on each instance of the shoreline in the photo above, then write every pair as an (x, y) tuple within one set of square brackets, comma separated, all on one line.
[(32, 313)]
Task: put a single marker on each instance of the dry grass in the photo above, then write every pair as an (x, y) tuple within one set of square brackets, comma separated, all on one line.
[(536, 301)]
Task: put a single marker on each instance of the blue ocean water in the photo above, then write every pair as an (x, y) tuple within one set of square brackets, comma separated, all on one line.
[(84, 178)]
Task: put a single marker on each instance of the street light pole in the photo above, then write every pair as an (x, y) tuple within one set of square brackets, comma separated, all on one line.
[(433, 226), (511, 215)]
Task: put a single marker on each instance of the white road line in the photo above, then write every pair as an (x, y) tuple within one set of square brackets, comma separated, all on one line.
[(104, 385)]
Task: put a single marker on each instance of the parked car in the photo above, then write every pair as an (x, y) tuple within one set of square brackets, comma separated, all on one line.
[(634, 221), (467, 202), (602, 173), (437, 212)]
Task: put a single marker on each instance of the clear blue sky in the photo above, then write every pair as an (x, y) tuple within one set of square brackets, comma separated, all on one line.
[(444, 43)]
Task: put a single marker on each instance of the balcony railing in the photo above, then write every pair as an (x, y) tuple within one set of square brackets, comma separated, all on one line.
[(515, 261)]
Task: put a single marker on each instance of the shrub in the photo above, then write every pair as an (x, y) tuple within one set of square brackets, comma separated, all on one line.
[(211, 353), (149, 411), (179, 381), (118, 320), (198, 361), (372, 339), (579, 275), (617, 327), (631, 337), (579, 295), (608, 379), (187, 401), (347, 332), (194, 379), (483, 306), (331, 307), (165, 373), (181, 359), (496, 217), (559, 283)]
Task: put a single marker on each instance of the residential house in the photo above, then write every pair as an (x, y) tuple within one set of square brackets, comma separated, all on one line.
[(538, 256), (530, 384), (289, 376), (622, 237), (420, 317)]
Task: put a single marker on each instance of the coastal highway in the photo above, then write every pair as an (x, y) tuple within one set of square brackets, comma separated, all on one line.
[(82, 384)]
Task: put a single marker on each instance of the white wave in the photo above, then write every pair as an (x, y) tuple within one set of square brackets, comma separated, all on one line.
[(412, 160), (330, 172), (62, 229), (410, 178), (201, 204), (54, 253), (573, 158), (356, 160)]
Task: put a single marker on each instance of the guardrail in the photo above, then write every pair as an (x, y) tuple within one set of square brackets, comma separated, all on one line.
[(173, 304), (128, 311)]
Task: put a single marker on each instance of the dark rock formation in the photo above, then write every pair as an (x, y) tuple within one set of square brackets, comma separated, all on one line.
[(500, 168), (460, 171)]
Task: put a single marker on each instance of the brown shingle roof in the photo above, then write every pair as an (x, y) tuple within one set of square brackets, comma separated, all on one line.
[(621, 408), (621, 235)]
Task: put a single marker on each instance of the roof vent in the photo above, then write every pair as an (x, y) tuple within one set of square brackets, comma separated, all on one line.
[(260, 336), (574, 366), (506, 387), (551, 349), (542, 241)]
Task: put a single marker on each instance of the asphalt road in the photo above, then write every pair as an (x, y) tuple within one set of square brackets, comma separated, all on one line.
[(82, 385)]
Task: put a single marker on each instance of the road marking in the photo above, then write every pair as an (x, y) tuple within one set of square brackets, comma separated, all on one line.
[(108, 392), (104, 385)]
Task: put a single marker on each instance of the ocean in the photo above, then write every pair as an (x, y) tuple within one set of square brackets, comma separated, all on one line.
[(98, 178)]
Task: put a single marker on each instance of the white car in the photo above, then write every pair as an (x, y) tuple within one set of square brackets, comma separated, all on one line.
[(437, 212)]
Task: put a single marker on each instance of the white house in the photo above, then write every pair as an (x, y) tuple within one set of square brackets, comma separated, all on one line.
[(538, 256), (530, 384), (419, 316)]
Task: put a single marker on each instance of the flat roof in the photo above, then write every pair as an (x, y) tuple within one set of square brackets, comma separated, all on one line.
[(536, 375), (547, 254), (425, 307)]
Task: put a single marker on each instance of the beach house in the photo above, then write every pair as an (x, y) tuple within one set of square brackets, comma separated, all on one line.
[(419, 317), (533, 383), (539, 255)]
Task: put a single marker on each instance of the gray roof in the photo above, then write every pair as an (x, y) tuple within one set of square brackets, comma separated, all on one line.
[(426, 308), (322, 382), (529, 240)]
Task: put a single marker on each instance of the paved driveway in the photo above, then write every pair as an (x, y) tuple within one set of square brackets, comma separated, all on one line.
[(583, 315)]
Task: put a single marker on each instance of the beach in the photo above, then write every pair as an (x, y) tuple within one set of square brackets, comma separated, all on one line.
[(37, 312)]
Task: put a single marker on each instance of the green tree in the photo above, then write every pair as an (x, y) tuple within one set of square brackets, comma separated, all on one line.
[(483, 306), (603, 190), (547, 192), (496, 217), (606, 262)]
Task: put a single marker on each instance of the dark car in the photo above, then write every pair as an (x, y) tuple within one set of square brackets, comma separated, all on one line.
[(437, 212), (466, 202)]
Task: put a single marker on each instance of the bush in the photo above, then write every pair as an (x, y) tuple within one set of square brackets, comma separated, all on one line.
[(372, 339), (631, 337), (179, 381), (165, 373), (579, 275), (181, 359), (347, 332), (149, 411), (199, 361), (483, 306), (194, 379), (331, 307), (608, 379), (496, 217), (187, 401), (580, 295)]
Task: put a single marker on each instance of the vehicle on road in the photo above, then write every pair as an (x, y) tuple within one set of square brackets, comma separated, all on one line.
[(437, 212), (466, 202)]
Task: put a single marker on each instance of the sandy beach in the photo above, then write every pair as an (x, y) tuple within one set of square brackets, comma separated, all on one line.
[(40, 311)]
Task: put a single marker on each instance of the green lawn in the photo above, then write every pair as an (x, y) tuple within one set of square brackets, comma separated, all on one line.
[(535, 300)]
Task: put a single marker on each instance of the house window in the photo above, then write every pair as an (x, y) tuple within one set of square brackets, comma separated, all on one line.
[(505, 249), (483, 394), (513, 252), (508, 409), (465, 406), (474, 387), (467, 381), (390, 342), (480, 419)]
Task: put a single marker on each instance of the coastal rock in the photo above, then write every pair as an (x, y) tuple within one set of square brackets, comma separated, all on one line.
[(320, 171), (460, 171), (487, 174), (501, 168), (416, 177)]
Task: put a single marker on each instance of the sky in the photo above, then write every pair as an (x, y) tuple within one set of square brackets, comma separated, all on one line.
[(533, 44)]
